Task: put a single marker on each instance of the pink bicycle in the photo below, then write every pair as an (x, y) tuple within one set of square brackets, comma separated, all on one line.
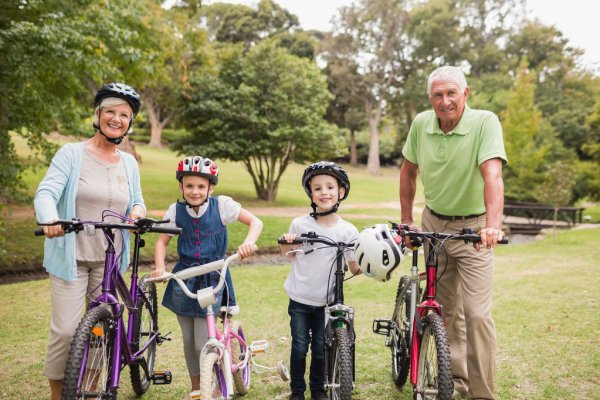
[(226, 359)]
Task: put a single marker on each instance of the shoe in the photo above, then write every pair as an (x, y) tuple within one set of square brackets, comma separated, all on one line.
[(318, 394), (296, 396)]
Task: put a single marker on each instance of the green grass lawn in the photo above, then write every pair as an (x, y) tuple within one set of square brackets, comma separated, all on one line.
[(547, 348)]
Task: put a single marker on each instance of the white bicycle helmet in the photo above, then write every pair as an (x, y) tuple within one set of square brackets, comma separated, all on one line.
[(377, 254)]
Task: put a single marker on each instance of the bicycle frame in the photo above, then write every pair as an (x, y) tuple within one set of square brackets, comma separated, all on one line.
[(338, 314), (218, 341), (113, 288), (428, 304)]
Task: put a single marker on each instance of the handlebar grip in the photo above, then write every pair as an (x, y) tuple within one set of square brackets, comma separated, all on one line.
[(295, 241), (160, 229), (39, 232)]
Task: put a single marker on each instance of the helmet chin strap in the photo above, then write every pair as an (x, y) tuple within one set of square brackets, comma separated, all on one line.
[(316, 214)]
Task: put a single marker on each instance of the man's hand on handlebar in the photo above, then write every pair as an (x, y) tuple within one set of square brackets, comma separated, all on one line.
[(489, 238)]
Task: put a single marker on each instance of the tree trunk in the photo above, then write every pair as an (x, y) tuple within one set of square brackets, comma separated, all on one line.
[(373, 165), (156, 125), (128, 147), (353, 155)]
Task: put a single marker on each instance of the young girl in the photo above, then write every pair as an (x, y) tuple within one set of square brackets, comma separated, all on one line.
[(203, 239)]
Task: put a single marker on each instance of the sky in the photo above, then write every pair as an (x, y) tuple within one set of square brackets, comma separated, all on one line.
[(578, 20)]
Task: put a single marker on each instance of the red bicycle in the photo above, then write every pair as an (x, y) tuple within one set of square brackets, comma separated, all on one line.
[(416, 333)]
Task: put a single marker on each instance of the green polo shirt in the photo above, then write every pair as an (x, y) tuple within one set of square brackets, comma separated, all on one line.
[(449, 163)]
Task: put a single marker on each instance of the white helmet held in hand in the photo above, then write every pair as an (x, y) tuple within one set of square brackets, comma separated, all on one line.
[(377, 254)]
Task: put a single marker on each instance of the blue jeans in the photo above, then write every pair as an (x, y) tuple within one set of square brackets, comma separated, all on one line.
[(308, 327)]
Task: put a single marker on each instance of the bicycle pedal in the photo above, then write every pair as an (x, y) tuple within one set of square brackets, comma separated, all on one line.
[(383, 326), (259, 346), (164, 338), (161, 377)]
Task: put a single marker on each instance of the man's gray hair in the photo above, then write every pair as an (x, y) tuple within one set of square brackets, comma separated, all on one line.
[(447, 73)]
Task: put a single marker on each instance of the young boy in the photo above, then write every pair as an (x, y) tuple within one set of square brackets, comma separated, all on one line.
[(203, 239), (326, 184)]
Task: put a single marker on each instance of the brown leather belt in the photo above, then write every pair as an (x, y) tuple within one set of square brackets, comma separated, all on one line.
[(454, 217)]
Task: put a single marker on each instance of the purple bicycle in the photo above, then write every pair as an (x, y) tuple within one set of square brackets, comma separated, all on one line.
[(105, 341)]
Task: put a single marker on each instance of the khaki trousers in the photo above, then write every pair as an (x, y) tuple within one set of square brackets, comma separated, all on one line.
[(69, 299), (464, 288)]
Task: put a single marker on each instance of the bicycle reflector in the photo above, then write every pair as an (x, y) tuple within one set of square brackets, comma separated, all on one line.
[(377, 254)]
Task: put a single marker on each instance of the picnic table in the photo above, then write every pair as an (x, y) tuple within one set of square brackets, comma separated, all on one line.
[(537, 213)]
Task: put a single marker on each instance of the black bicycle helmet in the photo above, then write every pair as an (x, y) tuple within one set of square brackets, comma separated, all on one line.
[(121, 91), (326, 168)]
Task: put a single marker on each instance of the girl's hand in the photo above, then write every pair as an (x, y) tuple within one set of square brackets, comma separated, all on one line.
[(246, 250)]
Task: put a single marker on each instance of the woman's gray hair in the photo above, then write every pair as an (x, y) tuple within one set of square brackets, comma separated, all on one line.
[(447, 73)]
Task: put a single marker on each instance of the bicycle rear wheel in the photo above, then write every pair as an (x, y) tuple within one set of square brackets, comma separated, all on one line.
[(339, 374), (212, 378), (88, 370), (145, 325), (400, 334), (241, 379), (434, 376)]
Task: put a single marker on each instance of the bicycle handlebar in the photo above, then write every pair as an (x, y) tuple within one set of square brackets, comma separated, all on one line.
[(142, 225), (312, 237), (206, 296), (466, 234)]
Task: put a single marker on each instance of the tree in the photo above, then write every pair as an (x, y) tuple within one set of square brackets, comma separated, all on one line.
[(376, 29), (346, 109), (522, 123), (263, 107), (557, 187)]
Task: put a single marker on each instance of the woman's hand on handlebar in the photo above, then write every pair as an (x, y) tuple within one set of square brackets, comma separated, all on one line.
[(137, 212), (52, 231)]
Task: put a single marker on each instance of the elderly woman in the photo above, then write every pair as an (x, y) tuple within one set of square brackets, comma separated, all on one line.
[(84, 179)]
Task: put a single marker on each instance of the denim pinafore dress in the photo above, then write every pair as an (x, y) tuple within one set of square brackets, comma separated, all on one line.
[(202, 240)]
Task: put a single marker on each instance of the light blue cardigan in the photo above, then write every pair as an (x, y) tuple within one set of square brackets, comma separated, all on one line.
[(55, 199)]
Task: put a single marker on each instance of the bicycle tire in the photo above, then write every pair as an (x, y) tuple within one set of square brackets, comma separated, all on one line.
[(434, 371), (212, 378), (144, 326), (400, 334), (339, 376), (92, 345), (241, 378)]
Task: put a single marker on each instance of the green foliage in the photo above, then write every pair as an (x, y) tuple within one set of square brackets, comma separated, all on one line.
[(263, 107)]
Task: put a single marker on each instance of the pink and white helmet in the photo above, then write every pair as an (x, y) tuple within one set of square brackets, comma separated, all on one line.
[(199, 166)]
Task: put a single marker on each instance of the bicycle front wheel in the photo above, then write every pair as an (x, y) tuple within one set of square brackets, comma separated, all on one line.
[(434, 376), (400, 334), (145, 325), (241, 378), (212, 378), (339, 376), (88, 370)]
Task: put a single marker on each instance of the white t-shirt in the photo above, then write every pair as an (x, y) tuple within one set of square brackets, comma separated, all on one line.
[(229, 210), (312, 277)]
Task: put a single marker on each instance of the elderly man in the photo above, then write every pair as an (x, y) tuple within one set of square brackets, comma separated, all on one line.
[(459, 153)]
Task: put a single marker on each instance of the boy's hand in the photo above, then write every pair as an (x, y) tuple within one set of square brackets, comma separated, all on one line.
[(288, 237), (246, 250)]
